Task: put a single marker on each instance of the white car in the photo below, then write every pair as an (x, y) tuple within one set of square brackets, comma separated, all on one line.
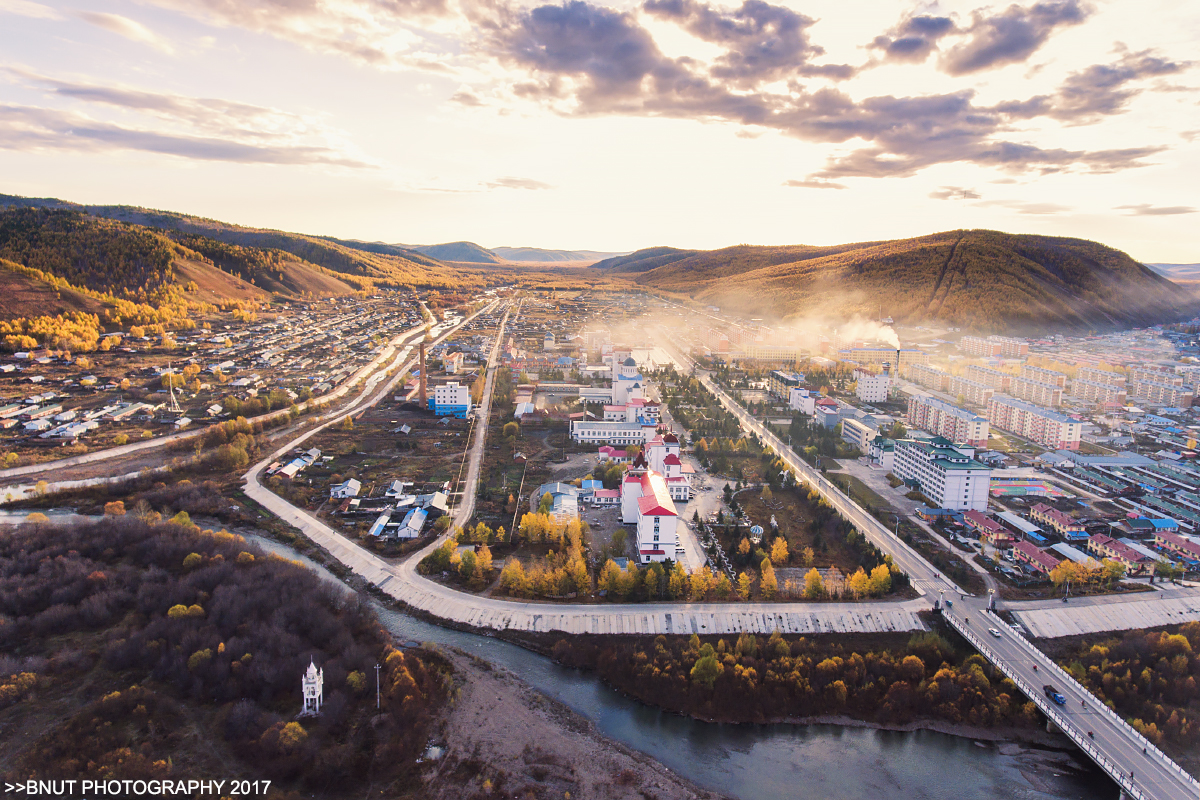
[(994, 632)]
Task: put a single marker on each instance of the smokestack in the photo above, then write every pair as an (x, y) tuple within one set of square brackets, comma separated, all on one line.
[(424, 396)]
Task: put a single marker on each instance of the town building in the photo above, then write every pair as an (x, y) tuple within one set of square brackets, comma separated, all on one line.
[(899, 360), (803, 400), (872, 387), (347, 488), (1109, 395), (930, 377), (1043, 375), (991, 532), (1097, 375), (994, 346), (761, 351), (1041, 425), (451, 399), (1104, 546), (600, 432), (1152, 373), (882, 452), (948, 476), (1162, 394), (781, 382), (1038, 560), (947, 420), (994, 378), (662, 455), (1039, 392), (1061, 523), (452, 363), (973, 392), (859, 433), (646, 503)]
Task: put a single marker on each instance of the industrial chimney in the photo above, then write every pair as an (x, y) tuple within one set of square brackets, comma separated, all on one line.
[(424, 395)]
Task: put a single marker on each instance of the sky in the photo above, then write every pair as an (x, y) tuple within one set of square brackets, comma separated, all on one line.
[(616, 126)]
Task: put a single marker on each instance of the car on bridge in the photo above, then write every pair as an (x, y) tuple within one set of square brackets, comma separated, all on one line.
[(994, 632), (1053, 694)]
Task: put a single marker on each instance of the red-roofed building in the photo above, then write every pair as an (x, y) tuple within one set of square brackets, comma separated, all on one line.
[(606, 497), (646, 502), (990, 530), (1104, 546), (1060, 523), (1039, 560), (1175, 543)]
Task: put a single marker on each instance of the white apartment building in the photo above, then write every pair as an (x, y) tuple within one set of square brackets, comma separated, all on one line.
[(1041, 425), (1043, 375), (1044, 394), (452, 398), (1094, 375), (930, 377), (1003, 346), (948, 476), (859, 433), (1151, 373), (596, 432), (1106, 394), (991, 377), (973, 392), (872, 387), (947, 420), (1162, 394), (803, 400)]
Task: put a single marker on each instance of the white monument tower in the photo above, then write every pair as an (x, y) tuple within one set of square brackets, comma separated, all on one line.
[(312, 684)]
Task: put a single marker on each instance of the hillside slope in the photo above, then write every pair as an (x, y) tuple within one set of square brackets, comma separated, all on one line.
[(359, 263), (645, 259), (467, 252), (977, 279), (541, 255)]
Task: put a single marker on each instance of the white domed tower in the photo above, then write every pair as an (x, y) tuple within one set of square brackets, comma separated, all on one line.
[(312, 685)]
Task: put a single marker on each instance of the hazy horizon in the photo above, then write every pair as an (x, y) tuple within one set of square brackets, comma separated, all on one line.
[(613, 127)]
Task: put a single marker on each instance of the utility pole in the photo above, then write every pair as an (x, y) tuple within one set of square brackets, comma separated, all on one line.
[(376, 687)]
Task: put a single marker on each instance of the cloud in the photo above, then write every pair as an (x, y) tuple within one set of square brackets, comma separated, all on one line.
[(466, 96), (1009, 37), (1028, 207), (130, 29), (814, 183), (24, 128), (27, 8), (381, 33), (762, 42), (914, 38), (1097, 91), (954, 193), (517, 183), (1147, 210), (209, 129)]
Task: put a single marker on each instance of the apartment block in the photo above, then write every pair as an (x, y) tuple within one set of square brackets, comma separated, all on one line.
[(947, 420), (878, 356), (1151, 373), (1044, 394), (1105, 394), (1162, 394), (998, 380), (1042, 375), (992, 346), (930, 377), (872, 387), (973, 392), (1094, 375), (1041, 425), (781, 382), (947, 476)]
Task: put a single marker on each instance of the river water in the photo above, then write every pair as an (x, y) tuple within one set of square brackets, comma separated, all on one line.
[(766, 762)]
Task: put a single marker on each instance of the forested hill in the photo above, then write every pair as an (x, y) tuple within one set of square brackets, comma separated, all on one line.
[(382, 265), (975, 279), (61, 260)]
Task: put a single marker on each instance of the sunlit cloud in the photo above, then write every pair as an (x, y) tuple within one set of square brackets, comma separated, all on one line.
[(1148, 210), (130, 29), (27, 8)]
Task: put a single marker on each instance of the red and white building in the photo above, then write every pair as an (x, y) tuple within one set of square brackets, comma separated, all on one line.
[(1103, 546), (1174, 543), (1041, 425), (646, 503), (1061, 523), (990, 531)]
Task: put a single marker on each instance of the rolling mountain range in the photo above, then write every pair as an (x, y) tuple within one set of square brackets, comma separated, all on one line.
[(975, 279)]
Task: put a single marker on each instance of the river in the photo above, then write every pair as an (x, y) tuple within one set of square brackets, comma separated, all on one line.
[(767, 762)]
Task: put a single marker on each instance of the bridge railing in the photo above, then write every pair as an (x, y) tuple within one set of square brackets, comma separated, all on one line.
[(1048, 663), (1085, 743)]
